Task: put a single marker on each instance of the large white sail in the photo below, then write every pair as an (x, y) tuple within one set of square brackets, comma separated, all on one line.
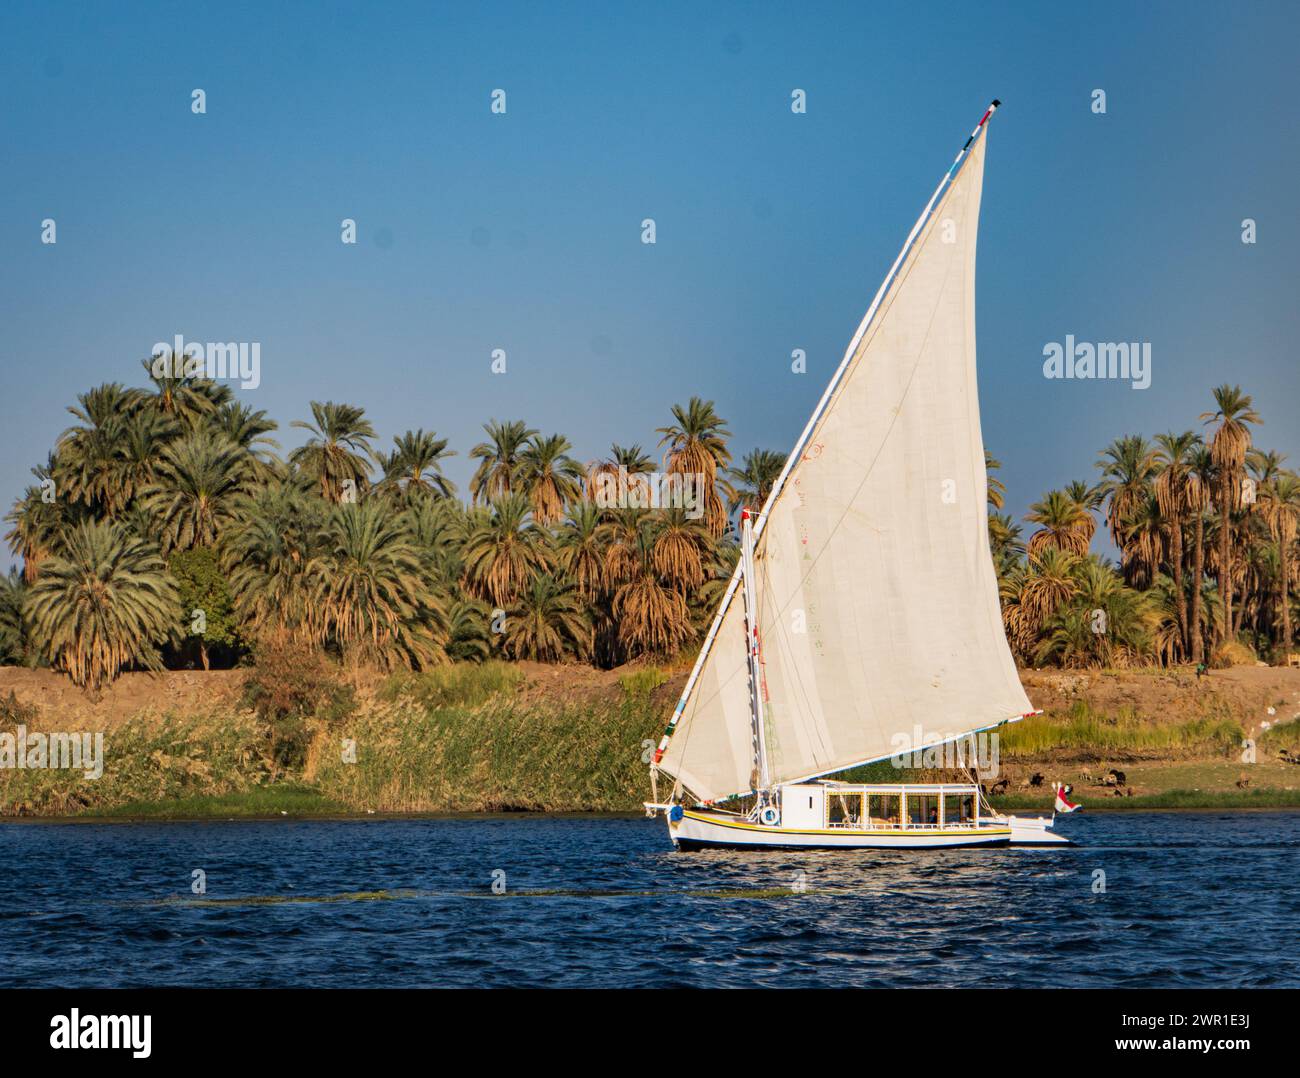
[(878, 604)]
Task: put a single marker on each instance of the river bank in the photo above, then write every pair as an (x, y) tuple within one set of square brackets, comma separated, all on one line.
[(547, 739)]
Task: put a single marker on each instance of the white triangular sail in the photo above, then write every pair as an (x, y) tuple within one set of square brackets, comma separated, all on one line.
[(878, 604)]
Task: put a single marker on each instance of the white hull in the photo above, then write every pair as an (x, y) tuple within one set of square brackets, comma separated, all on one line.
[(699, 829), (1035, 832)]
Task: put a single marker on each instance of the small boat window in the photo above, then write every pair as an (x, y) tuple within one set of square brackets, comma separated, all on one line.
[(922, 810), (883, 810), (843, 809), (959, 809)]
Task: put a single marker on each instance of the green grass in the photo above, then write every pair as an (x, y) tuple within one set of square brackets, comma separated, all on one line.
[(639, 684), (1165, 799), (1086, 731), (462, 684), (277, 800)]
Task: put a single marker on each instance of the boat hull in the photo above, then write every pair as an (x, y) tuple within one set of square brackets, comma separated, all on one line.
[(1033, 832), (705, 830)]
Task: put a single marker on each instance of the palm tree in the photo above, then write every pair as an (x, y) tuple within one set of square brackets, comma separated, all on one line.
[(579, 550), (546, 622), (88, 454), (337, 451), (415, 465), (371, 594), (276, 532), (624, 465), (754, 479), (40, 518), (997, 490), (13, 643), (193, 494), (102, 604), (498, 470), (652, 614), (1127, 465), (1144, 534), (504, 552), (680, 548), (697, 449), (1200, 481), (1228, 448), (249, 430), (549, 476), (187, 398), (1173, 459), (1281, 510), (1066, 525)]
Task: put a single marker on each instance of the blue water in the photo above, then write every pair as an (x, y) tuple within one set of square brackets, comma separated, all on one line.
[(1192, 899)]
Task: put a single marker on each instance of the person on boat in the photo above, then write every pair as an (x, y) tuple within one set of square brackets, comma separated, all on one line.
[(934, 814)]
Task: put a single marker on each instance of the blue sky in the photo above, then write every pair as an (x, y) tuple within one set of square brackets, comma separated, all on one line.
[(522, 231)]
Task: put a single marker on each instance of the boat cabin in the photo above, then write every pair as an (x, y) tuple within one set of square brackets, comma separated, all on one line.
[(880, 807)]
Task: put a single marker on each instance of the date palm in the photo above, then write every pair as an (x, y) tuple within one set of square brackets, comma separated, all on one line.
[(371, 594), (1145, 538), (189, 399), (497, 473), (276, 533), (680, 550), (88, 453), (1228, 448), (337, 452), (1200, 481), (504, 552), (40, 518), (13, 643), (549, 476), (1064, 524), (625, 465), (752, 482), (697, 448), (102, 604), (250, 431), (997, 490), (415, 465), (1173, 459), (194, 491), (1280, 507), (652, 614), (547, 621), (579, 550), (1127, 467)]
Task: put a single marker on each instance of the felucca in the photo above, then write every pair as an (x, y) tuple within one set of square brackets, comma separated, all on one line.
[(865, 602)]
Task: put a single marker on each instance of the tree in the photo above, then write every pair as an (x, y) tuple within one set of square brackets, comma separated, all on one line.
[(546, 622), (1174, 483), (1228, 448), (1065, 524), (504, 552), (13, 642), (499, 459), (337, 451), (194, 492), (1280, 505), (754, 479), (549, 476), (102, 604), (1127, 466), (697, 449), (415, 465), (207, 607)]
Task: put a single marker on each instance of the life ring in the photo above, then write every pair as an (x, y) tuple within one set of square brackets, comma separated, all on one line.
[(769, 816)]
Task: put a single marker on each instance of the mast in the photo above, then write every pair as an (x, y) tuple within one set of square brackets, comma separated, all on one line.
[(795, 454), (756, 687)]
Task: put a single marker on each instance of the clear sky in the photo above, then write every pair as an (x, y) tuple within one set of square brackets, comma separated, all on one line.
[(522, 231)]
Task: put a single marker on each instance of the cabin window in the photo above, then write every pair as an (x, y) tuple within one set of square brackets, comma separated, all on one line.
[(883, 809), (843, 809), (923, 810), (959, 809)]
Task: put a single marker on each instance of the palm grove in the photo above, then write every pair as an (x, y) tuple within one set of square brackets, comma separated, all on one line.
[(165, 530)]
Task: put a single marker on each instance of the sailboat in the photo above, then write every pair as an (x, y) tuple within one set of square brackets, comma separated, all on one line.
[(862, 620)]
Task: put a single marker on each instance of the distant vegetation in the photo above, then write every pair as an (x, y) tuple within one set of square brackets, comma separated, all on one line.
[(165, 531)]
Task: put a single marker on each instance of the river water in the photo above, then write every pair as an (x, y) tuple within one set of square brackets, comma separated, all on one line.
[(1189, 899)]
